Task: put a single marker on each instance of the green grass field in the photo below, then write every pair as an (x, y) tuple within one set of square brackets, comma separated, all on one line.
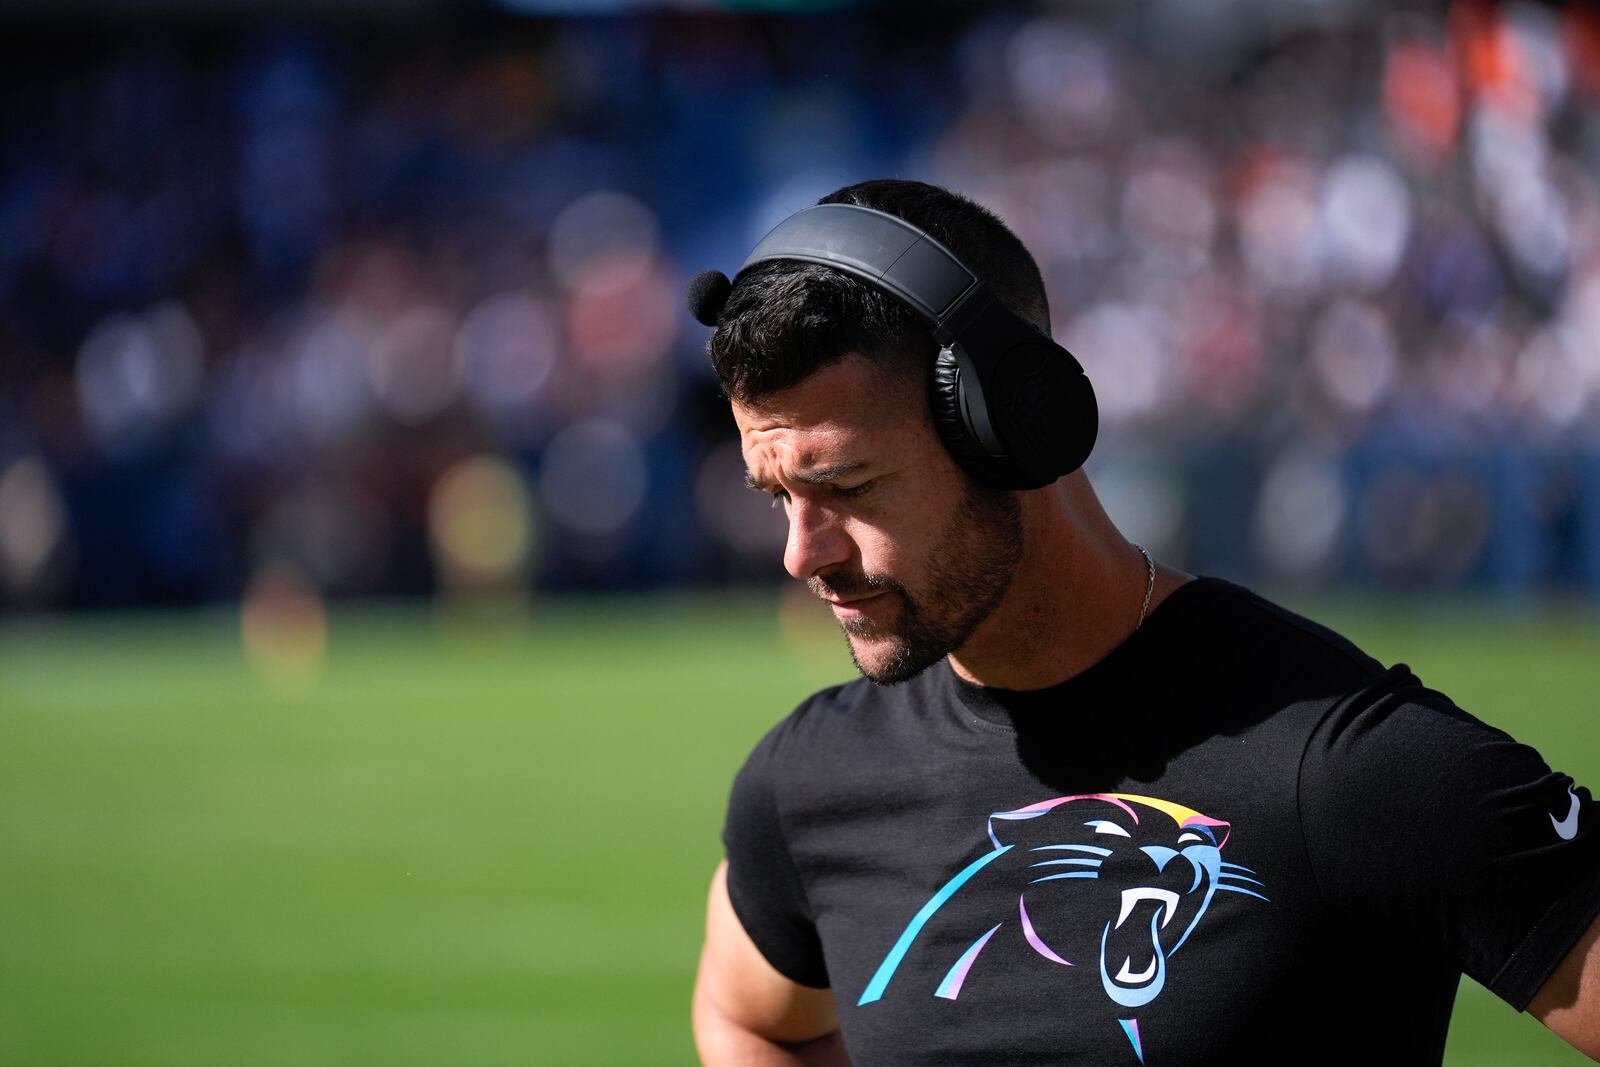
[(473, 843)]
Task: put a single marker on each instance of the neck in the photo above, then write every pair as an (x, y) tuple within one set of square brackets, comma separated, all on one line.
[(1076, 594)]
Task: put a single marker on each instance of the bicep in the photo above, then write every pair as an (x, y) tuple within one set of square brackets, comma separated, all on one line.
[(1569, 1001), (737, 983)]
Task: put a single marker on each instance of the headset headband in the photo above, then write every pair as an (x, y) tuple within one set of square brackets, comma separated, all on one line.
[(878, 248)]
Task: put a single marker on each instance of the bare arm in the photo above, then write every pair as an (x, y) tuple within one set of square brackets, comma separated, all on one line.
[(748, 1015), (1569, 1002)]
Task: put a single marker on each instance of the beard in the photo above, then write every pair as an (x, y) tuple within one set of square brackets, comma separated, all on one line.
[(969, 572)]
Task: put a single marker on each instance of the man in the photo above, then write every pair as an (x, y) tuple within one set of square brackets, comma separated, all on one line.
[(1083, 808)]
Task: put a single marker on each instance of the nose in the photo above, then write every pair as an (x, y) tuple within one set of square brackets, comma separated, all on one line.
[(816, 540)]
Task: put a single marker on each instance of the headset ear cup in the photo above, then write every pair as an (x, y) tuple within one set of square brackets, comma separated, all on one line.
[(945, 401), (1043, 407), (1086, 421), (1040, 402)]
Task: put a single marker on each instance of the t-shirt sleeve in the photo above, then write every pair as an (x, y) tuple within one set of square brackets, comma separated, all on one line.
[(764, 885), (1416, 813)]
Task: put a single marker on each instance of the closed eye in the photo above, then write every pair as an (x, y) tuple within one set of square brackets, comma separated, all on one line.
[(848, 492)]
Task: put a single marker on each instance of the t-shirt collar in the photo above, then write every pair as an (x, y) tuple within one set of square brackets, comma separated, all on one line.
[(1122, 665)]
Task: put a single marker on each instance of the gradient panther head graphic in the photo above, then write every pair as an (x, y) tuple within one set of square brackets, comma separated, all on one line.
[(1109, 883)]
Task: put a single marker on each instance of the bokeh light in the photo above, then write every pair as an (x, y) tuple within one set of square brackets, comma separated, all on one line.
[(1300, 516), (480, 523), (593, 478), (36, 545), (136, 373), (283, 625)]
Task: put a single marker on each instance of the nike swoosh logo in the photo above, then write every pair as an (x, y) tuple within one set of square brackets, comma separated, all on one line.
[(1567, 828)]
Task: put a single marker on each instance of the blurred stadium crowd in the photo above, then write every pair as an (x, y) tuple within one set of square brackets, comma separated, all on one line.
[(377, 311)]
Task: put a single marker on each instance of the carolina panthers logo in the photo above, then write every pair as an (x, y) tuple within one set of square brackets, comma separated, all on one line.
[(1114, 878)]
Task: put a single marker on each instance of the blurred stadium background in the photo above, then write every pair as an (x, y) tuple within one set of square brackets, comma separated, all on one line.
[(382, 613)]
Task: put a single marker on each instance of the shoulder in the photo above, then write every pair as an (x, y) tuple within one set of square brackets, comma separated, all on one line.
[(1228, 628), (840, 716), (1247, 611), (842, 726)]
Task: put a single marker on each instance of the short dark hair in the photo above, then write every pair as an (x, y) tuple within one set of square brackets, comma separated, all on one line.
[(786, 319)]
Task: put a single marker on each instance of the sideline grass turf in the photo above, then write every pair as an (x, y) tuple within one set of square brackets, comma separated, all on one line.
[(474, 843)]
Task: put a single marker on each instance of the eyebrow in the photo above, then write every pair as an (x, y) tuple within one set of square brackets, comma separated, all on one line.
[(816, 476)]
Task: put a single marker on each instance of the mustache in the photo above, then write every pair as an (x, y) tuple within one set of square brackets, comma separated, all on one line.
[(843, 584)]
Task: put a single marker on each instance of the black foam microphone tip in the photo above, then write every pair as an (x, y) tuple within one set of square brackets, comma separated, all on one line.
[(708, 291)]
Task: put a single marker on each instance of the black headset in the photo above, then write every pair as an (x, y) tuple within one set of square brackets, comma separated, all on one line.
[(1012, 406)]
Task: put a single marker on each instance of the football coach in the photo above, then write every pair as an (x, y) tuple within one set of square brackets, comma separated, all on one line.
[(1081, 807)]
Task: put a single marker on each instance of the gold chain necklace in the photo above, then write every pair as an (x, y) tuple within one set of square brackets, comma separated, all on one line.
[(1150, 584)]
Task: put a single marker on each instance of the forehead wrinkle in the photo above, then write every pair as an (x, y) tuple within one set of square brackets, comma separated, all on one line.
[(810, 475), (804, 451)]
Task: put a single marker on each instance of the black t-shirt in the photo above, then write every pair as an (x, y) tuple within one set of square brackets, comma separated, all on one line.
[(1235, 836)]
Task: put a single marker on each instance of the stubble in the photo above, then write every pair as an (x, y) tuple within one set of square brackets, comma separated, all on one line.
[(969, 574)]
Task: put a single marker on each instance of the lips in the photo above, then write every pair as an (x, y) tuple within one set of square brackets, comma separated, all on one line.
[(853, 600)]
